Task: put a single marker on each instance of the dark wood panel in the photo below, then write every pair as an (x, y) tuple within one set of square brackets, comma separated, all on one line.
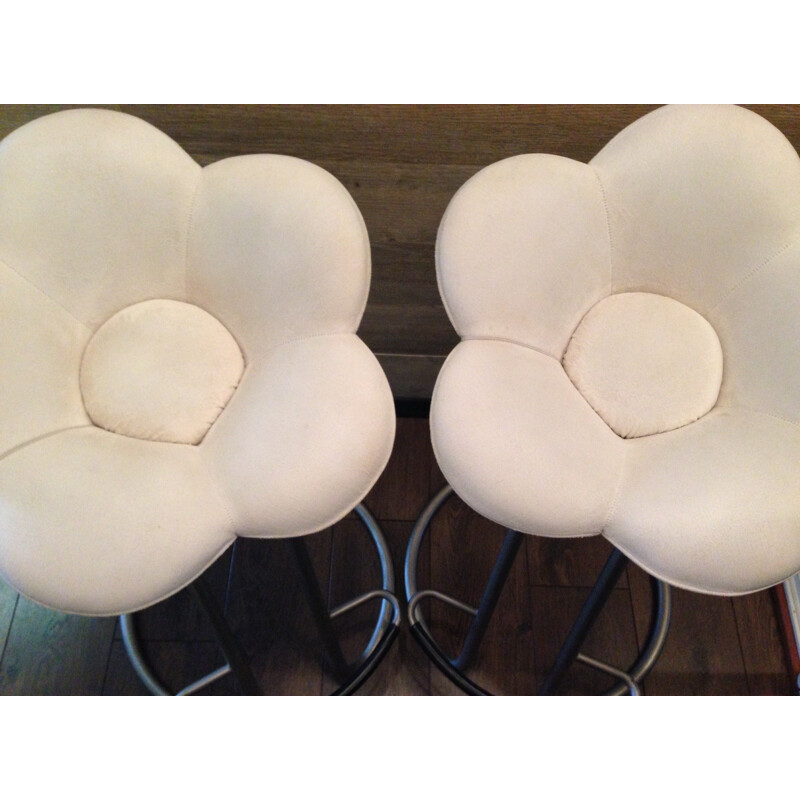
[(401, 202), (762, 647), (402, 490), (415, 330), (450, 134), (569, 562), (702, 654), (49, 653), (416, 134), (404, 274), (411, 377)]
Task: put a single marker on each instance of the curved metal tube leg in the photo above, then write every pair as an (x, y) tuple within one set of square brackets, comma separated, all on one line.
[(656, 638), (609, 670), (136, 657)]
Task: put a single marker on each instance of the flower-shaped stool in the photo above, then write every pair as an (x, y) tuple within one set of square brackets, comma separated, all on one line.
[(630, 357), (179, 364)]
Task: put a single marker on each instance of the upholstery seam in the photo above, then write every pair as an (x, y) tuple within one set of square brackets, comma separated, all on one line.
[(22, 445), (794, 423), (189, 222), (509, 341), (221, 496), (755, 271), (608, 223), (309, 336), (612, 509), (44, 294)]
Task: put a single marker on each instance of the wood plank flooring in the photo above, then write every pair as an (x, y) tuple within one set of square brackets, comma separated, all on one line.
[(716, 645)]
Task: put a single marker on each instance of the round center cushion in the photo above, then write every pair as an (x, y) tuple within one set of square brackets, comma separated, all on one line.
[(161, 370), (645, 363)]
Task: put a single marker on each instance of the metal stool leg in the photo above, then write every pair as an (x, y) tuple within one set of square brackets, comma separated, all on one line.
[(319, 610), (234, 653), (592, 607), (497, 580)]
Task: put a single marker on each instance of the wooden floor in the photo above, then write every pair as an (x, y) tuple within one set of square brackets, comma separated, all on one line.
[(716, 645)]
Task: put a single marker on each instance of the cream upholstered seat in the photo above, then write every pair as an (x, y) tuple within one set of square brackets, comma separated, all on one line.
[(629, 364), (179, 359), (630, 354)]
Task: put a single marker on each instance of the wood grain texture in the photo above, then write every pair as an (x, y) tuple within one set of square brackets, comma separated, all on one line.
[(569, 562), (765, 658), (411, 376), (49, 653), (269, 613), (403, 488), (702, 654)]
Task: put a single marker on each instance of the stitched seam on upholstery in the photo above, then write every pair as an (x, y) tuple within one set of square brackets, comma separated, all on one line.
[(608, 224), (42, 437), (612, 509), (310, 336), (44, 294), (189, 222), (509, 341), (795, 423), (221, 496), (755, 271)]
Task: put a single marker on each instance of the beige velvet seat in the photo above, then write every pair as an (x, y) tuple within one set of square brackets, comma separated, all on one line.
[(179, 359), (629, 363)]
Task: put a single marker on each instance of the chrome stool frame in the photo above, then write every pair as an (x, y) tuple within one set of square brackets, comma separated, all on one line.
[(627, 680), (352, 676)]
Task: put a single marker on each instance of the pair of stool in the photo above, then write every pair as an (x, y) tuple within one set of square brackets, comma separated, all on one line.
[(180, 367)]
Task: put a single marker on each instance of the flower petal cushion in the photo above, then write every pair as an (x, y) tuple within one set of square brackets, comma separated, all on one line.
[(179, 359), (630, 354)]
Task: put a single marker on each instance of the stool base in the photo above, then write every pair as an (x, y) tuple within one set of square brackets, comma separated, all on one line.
[(352, 676), (454, 669)]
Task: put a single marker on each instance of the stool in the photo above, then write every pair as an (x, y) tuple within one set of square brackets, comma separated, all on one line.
[(629, 364), (180, 367)]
